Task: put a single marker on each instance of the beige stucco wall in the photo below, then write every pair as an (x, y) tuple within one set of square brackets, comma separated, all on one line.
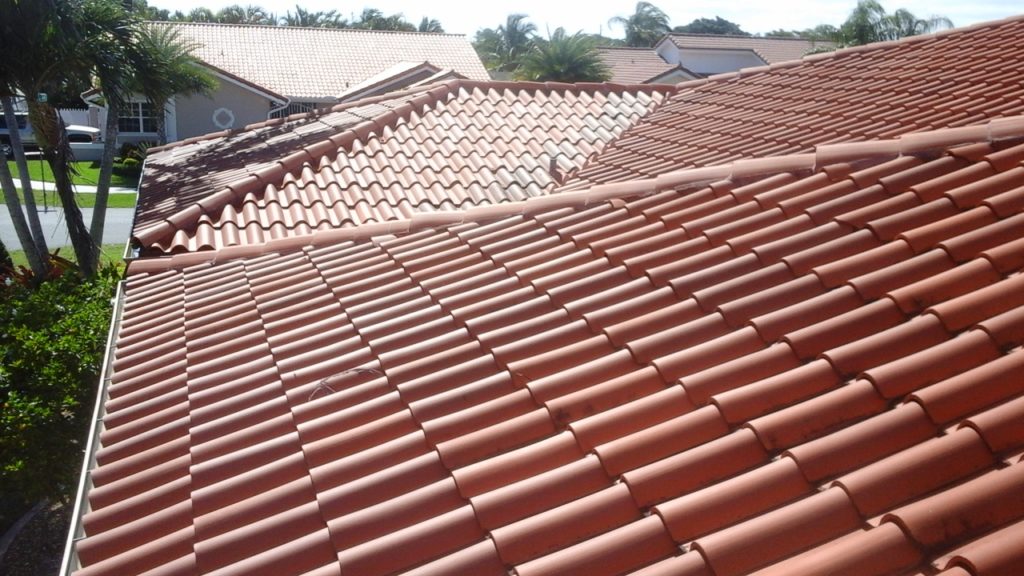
[(195, 114)]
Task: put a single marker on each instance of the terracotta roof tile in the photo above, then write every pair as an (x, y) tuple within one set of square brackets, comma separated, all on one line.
[(819, 362), (377, 160), (854, 94)]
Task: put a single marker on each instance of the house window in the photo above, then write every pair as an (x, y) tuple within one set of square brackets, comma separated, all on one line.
[(137, 117), (294, 108)]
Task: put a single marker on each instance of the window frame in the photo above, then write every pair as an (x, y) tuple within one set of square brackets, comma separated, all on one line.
[(137, 109)]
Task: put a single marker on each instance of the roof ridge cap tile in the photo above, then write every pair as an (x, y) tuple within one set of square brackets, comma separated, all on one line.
[(690, 176), (723, 76), (691, 83), (825, 155), (829, 154), (916, 142), (785, 64), (1006, 128), (921, 142), (753, 70)]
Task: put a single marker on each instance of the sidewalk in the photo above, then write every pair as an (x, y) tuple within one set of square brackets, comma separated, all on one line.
[(79, 188)]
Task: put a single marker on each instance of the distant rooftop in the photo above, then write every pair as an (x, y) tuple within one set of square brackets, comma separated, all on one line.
[(636, 65), (317, 64), (771, 49)]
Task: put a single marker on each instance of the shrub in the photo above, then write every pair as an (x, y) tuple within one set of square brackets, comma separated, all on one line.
[(134, 151), (52, 341), (5, 260)]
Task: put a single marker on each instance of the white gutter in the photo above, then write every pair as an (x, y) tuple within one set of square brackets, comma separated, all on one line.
[(129, 253), (70, 562)]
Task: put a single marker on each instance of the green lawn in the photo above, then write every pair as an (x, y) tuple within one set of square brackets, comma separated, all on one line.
[(88, 173), (109, 254), (84, 200)]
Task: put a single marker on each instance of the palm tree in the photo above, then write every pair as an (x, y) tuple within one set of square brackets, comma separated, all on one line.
[(373, 19), (238, 14), (165, 67), (201, 15), (25, 235), (501, 49), (162, 66), (430, 25), (113, 60), (647, 25), (868, 22), (563, 58), (36, 238), (308, 19), (904, 23), (17, 31), (57, 40)]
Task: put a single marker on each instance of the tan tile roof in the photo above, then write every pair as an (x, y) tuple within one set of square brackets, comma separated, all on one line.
[(797, 365), (450, 146), (772, 50), (320, 63), (953, 78), (636, 65)]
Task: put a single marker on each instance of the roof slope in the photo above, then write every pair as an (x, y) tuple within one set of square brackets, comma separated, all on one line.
[(953, 78), (635, 65), (179, 175), (771, 49), (448, 146), (320, 63), (798, 365)]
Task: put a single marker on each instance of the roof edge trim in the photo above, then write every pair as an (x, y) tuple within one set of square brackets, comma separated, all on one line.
[(69, 560)]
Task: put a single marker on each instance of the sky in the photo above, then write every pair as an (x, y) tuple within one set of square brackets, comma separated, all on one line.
[(754, 16)]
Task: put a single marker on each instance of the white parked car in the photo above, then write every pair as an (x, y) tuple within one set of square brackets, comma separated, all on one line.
[(76, 133)]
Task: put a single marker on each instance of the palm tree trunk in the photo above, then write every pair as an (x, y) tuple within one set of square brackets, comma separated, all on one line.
[(26, 182), (53, 140), (35, 260), (99, 211), (161, 124)]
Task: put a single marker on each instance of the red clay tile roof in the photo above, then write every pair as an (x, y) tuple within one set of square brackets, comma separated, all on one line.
[(449, 146), (179, 175), (771, 49), (953, 78), (797, 365), (636, 65), (319, 63)]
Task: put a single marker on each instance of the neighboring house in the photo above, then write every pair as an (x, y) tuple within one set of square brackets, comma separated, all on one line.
[(267, 71), (447, 146), (707, 54), (775, 327), (641, 66)]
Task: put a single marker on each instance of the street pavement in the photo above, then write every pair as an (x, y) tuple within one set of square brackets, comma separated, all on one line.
[(115, 231), (79, 188)]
